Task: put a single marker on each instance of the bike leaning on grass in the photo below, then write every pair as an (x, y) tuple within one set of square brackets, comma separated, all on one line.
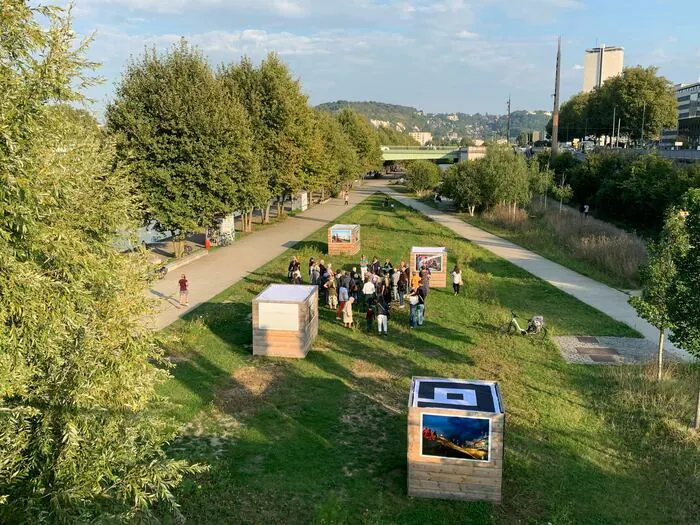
[(535, 325)]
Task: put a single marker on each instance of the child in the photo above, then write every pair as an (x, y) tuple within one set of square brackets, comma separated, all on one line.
[(456, 279), (347, 313), (369, 317)]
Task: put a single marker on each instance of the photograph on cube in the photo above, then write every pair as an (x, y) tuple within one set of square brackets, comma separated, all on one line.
[(431, 262), (455, 437), (341, 236)]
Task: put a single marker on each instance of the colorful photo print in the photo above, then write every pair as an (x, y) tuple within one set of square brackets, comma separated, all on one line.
[(456, 437), (341, 236), (431, 262)]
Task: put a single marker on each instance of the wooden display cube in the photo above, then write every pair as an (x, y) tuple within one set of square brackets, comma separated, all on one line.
[(344, 239), (455, 439), (285, 320), (433, 258)]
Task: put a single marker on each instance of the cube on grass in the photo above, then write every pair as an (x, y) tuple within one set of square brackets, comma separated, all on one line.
[(344, 239), (434, 259), (285, 320), (455, 439)]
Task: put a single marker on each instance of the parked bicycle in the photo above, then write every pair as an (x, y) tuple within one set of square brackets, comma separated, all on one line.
[(226, 239), (535, 325), (161, 271)]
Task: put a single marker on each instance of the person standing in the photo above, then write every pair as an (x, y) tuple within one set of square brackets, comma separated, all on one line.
[(315, 274), (420, 307), (369, 318), (413, 303), (415, 280), (456, 279), (312, 261), (368, 291), (586, 207), (293, 266), (395, 277), (376, 266), (332, 290), (388, 267), (346, 197), (347, 313), (402, 288), (364, 262), (382, 316), (343, 298), (184, 290)]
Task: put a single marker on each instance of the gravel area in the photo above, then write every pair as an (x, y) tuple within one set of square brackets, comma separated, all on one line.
[(608, 350)]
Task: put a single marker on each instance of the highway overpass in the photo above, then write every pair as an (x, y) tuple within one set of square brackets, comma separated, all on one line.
[(452, 153)]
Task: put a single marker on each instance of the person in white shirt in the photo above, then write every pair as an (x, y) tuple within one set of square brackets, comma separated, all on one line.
[(368, 291), (456, 278)]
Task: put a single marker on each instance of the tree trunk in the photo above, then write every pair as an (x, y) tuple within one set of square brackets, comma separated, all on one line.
[(561, 205), (471, 210), (266, 213), (323, 194), (697, 412), (660, 357)]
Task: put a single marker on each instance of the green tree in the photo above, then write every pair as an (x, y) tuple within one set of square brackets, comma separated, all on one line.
[(363, 138), (462, 185), (391, 137), (422, 176), (684, 303), (504, 177), (79, 440), (282, 124), (339, 159), (182, 137), (639, 95), (657, 279), (573, 118)]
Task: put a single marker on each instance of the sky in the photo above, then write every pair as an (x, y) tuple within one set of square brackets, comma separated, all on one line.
[(436, 55)]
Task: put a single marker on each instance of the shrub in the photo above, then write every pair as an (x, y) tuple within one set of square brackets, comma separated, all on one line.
[(422, 176)]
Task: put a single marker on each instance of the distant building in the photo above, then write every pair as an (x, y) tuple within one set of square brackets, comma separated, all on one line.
[(452, 118), (423, 137), (601, 63), (534, 136), (453, 135), (688, 129)]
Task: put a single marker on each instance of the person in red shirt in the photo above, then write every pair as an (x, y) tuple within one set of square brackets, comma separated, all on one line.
[(184, 292)]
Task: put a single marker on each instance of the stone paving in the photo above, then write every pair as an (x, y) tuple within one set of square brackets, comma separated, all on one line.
[(603, 350)]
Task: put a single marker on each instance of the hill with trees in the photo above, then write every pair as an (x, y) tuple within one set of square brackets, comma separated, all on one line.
[(444, 126)]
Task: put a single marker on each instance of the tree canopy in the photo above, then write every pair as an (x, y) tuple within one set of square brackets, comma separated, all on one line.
[(182, 136), (422, 175), (79, 439), (637, 96), (363, 138)]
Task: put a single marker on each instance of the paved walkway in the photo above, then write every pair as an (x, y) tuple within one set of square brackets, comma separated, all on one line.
[(226, 266), (608, 300)]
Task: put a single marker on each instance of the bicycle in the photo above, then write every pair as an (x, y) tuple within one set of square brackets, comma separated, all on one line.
[(188, 250), (161, 272), (535, 325), (226, 239)]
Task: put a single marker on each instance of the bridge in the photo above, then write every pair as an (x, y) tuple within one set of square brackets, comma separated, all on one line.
[(453, 153)]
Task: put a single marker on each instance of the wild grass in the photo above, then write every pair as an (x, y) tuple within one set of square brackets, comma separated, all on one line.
[(589, 246), (323, 439)]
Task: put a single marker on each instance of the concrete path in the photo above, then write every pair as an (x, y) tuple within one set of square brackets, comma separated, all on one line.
[(608, 300), (226, 266)]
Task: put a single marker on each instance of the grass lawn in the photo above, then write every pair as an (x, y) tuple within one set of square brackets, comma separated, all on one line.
[(323, 439)]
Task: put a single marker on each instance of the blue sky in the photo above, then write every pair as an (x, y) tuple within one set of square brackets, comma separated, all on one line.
[(436, 55)]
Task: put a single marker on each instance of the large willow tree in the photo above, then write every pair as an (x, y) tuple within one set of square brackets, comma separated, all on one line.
[(78, 441)]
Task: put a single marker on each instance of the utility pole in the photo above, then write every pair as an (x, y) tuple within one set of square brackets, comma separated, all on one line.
[(555, 112), (612, 137), (617, 141), (508, 127), (644, 114)]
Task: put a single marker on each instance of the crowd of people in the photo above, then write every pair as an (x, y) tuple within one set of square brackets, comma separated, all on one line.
[(373, 289)]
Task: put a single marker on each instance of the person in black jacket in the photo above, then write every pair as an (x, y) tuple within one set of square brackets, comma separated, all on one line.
[(382, 315)]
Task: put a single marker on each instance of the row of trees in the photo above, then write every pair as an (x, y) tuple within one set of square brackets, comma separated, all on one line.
[(201, 143), (634, 190), (643, 101), (501, 177)]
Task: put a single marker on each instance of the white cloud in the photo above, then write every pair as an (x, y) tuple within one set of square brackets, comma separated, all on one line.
[(466, 34), (578, 66)]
